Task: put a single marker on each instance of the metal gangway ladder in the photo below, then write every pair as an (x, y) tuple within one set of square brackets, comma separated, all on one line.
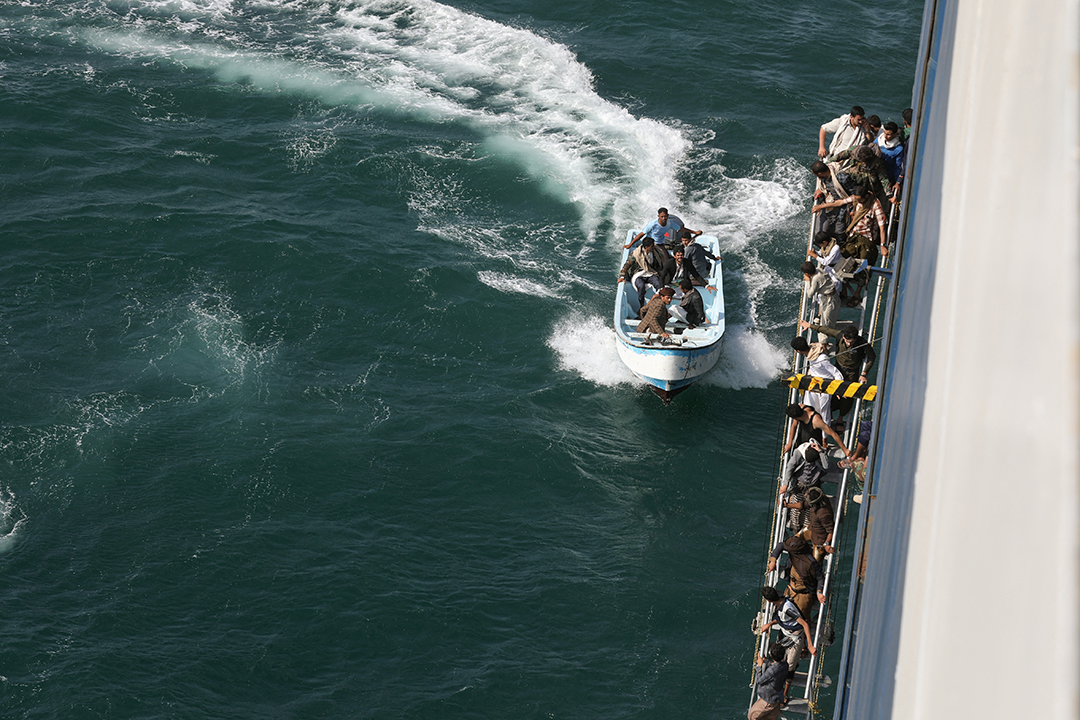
[(813, 680)]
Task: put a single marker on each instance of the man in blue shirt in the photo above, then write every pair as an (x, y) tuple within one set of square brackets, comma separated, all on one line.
[(664, 230)]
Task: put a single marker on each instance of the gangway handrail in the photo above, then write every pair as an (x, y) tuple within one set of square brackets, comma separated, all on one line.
[(780, 515), (852, 435)]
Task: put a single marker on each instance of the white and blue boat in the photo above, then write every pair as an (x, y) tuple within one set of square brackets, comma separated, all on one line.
[(672, 364)]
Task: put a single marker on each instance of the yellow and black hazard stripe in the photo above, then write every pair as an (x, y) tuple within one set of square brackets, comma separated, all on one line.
[(829, 386)]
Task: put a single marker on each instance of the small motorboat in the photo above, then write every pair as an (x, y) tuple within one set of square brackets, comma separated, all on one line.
[(671, 364)]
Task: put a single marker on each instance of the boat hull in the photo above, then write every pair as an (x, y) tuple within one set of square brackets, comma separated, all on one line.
[(668, 368)]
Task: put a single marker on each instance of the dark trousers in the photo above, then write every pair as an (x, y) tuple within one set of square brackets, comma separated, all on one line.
[(640, 283)]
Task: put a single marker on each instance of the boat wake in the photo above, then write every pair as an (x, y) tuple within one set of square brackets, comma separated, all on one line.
[(12, 520), (749, 360), (488, 105), (585, 345)]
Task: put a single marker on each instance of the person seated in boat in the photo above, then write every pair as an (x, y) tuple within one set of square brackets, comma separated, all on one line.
[(806, 579), (820, 287), (847, 130), (677, 268), (770, 684), (795, 633), (691, 308), (906, 116), (696, 254), (655, 315), (664, 229), (808, 424), (644, 267)]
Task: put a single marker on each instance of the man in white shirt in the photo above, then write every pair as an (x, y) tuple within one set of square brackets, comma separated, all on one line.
[(848, 131)]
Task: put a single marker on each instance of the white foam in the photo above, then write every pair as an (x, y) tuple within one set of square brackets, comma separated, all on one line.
[(12, 521), (197, 340), (743, 212), (513, 284), (747, 360), (585, 345), (104, 410), (527, 97)]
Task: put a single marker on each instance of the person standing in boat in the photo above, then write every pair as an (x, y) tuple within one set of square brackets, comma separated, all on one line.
[(644, 267), (655, 315), (664, 230)]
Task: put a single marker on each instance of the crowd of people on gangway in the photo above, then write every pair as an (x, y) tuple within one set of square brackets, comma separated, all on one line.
[(859, 174)]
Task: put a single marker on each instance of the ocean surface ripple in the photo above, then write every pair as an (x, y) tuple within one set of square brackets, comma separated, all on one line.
[(312, 403)]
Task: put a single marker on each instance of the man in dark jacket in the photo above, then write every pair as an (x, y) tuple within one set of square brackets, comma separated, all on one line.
[(852, 350), (771, 683), (677, 268), (806, 580), (692, 306), (696, 254)]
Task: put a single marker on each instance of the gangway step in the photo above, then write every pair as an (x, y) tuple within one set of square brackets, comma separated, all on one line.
[(796, 707), (800, 680)]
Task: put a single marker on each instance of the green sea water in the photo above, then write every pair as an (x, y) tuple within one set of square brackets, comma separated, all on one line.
[(311, 402)]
